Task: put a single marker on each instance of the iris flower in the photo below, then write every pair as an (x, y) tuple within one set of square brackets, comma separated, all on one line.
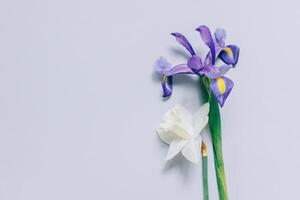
[(182, 131), (220, 85)]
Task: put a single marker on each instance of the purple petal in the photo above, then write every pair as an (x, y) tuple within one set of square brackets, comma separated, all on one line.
[(195, 64), (184, 42), (210, 71), (230, 54), (179, 69), (167, 81), (208, 60), (167, 85), (220, 35), (214, 72), (221, 87), (162, 66), (208, 40)]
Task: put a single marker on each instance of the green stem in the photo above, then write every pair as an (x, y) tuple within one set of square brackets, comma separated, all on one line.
[(215, 129), (204, 172)]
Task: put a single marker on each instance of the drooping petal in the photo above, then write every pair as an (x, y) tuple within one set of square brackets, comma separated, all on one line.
[(175, 148), (195, 64), (221, 87), (167, 85), (220, 35), (162, 66), (179, 69), (214, 72), (208, 40), (184, 42), (230, 54), (191, 151), (200, 119), (167, 79)]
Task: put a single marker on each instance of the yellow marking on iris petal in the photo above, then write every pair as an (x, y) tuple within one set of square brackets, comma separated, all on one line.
[(164, 77), (221, 85), (228, 51)]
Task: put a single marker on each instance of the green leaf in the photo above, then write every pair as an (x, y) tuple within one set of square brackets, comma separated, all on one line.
[(215, 130)]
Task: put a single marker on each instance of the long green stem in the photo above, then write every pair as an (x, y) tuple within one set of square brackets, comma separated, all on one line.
[(204, 172), (215, 129)]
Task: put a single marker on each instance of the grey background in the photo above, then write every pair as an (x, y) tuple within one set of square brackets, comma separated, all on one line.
[(79, 104)]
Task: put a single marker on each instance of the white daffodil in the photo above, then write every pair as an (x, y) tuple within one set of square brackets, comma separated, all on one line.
[(182, 131)]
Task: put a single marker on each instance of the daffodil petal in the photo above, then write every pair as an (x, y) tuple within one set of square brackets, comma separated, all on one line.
[(191, 151), (175, 148), (200, 119)]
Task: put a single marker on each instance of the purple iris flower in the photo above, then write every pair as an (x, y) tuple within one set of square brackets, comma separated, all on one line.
[(220, 85)]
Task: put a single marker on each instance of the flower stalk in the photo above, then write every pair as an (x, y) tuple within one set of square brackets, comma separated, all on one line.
[(204, 172), (215, 129)]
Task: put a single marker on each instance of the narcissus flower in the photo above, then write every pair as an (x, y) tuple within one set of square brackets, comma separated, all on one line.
[(220, 85), (181, 130)]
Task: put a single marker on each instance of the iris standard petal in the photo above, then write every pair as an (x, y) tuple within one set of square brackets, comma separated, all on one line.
[(195, 64), (230, 54), (208, 60), (221, 87), (214, 72), (184, 42), (220, 35), (208, 40)]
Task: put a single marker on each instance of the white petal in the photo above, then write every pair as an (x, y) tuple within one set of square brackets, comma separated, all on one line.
[(178, 121), (200, 119), (175, 148), (166, 135), (191, 151)]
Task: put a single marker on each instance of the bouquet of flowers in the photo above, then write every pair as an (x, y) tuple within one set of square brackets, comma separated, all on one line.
[(181, 129)]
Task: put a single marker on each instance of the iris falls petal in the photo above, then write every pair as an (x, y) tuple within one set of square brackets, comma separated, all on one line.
[(167, 85), (167, 80), (230, 54), (221, 87)]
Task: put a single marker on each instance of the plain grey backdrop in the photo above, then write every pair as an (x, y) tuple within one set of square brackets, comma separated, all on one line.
[(79, 104)]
